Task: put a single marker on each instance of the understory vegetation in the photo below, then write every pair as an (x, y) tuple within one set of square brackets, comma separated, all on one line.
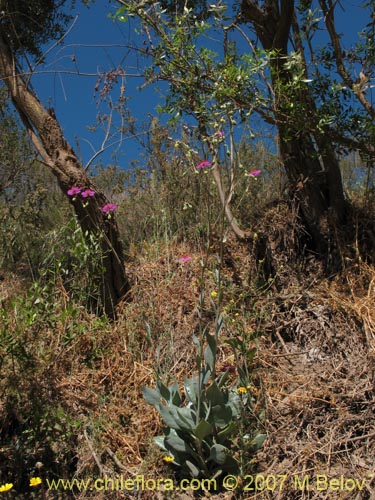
[(251, 338), (201, 322)]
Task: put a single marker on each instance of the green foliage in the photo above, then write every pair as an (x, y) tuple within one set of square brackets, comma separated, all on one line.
[(28, 25), (210, 87), (39, 330), (35, 425), (205, 430), (30, 202), (73, 260)]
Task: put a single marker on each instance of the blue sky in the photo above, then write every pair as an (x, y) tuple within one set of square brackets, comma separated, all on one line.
[(96, 44)]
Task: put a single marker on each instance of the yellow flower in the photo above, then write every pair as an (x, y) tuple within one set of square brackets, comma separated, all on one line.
[(34, 481), (255, 236), (6, 487), (168, 459), (213, 294), (241, 390)]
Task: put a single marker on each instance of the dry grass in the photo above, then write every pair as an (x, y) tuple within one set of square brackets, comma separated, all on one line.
[(315, 366)]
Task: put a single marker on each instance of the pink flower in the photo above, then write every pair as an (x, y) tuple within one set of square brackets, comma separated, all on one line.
[(186, 258), (87, 192), (109, 207), (254, 173), (73, 191), (220, 133), (203, 164)]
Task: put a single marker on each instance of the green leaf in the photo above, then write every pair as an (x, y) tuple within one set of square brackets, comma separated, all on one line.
[(221, 416), (191, 389), (159, 441), (221, 455), (203, 429), (177, 418), (175, 394), (151, 396), (170, 417), (235, 404), (212, 341), (227, 431), (194, 471), (209, 357), (218, 453), (224, 377), (177, 444), (257, 442), (215, 396), (164, 391), (205, 375), (219, 326), (187, 418)]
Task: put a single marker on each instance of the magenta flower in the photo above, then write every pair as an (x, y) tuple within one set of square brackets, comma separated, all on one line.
[(203, 164), (254, 173), (186, 258), (73, 191), (109, 207), (220, 134), (87, 192)]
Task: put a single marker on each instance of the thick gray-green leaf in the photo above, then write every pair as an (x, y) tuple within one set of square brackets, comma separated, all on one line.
[(227, 431), (191, 389), (221, 455), (223, 378), (187, 418), (151, 396), (164, 391), (203, 429), (257, 442), (175, 394), (235, 403), (194, 471), (219, 326), (159, 441), (215, 396), (218, 453), (209, 357), (170, 417), (221, 415)]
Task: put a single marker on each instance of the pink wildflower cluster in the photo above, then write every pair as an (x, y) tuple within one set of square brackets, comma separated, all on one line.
[(109, 207), (203, 164), (185, 258), (254, 173), (85, 193)]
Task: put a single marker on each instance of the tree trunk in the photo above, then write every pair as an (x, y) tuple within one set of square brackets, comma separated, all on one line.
[(48, 138), (309, 160)]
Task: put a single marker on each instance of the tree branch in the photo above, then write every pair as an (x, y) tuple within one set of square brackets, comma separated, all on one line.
[(356, 87)]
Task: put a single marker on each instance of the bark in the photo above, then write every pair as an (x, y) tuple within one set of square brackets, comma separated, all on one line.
[(48, 139), (309, 160)]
